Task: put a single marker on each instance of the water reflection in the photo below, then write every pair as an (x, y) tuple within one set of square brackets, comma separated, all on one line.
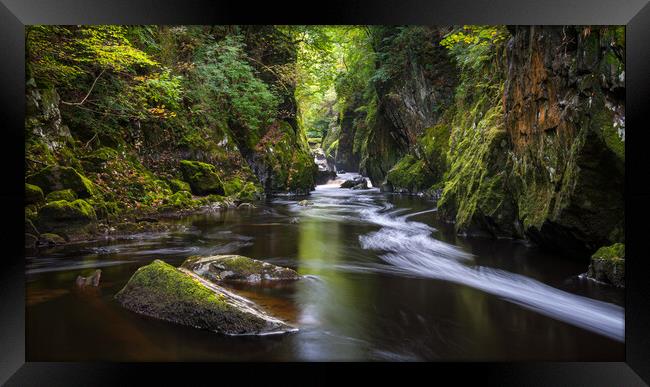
[(385, 280)]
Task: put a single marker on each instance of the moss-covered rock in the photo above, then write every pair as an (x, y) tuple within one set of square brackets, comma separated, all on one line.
[(50, 239), (33, 194), (63, 215), (178, 185), (179, 199), (55, 178), (161, 291), (608, 265), (202, 177), (237, 268), (64, 194)]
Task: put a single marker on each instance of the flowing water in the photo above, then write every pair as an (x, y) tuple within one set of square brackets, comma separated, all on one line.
[(384, 280)]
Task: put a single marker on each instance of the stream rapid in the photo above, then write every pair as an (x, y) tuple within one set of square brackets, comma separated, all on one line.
[(385, 279)]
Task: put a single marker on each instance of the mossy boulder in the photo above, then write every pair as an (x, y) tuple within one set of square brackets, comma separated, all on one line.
[(55, 178), (242, 190), (179, 199), (50, 239), (238, 268), (202, 177), (64, 194), (162, 291), (65, 216), (178, 185), (33, 194), (608, 265)]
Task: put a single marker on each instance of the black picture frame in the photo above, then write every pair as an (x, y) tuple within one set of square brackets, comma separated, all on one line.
[(15, 14)]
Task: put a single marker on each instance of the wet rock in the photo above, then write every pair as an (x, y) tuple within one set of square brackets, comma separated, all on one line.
[(92, 280), (162, 291), (246, 205), (50, 239), (608, 265), (357, 181), (238, 268), (363, 185), (305, 203)]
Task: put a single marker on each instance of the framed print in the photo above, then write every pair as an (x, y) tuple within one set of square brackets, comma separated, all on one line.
[(216, 187)]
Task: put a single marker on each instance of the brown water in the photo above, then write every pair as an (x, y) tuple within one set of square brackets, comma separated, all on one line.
[(385, 280)]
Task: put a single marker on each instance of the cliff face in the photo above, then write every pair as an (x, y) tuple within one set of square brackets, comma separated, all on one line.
[(283, 143), (417, 86), (565, 115)]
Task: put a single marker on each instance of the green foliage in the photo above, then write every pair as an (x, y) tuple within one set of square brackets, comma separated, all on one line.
[(227, 82), (59, 55)]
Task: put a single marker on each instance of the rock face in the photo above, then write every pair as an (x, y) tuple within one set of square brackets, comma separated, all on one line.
[(202, 177), (608, 265), (565, 116), (411, 100), (326, 170), (237, 268), (161, 291), (55, 178)]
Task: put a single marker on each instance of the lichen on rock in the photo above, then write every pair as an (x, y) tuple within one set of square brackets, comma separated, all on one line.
[(238, 268)]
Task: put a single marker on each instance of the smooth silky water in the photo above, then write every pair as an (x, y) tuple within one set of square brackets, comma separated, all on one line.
[(384, 280)]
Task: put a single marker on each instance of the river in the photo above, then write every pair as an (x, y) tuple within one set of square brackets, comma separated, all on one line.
[(385, 280)]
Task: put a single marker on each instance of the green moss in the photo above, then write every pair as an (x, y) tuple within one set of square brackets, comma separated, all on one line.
[(33, 194), (168, 282), (31, 212), (202, 177), (476, 189), (159, 290), (55, 178), (613, 252), (179, 199), (178, 185), (241, 265), (64, 194), (51, 239), (608, 265), (63, 214), (97, 160)]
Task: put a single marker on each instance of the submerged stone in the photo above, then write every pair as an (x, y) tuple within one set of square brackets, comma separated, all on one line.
[(608, 265), (238, 268), (164, 292)]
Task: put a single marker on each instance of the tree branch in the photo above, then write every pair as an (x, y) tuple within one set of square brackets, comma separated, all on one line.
[(88, 94)]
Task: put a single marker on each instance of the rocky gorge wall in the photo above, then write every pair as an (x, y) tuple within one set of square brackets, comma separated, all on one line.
[(527, 142)]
